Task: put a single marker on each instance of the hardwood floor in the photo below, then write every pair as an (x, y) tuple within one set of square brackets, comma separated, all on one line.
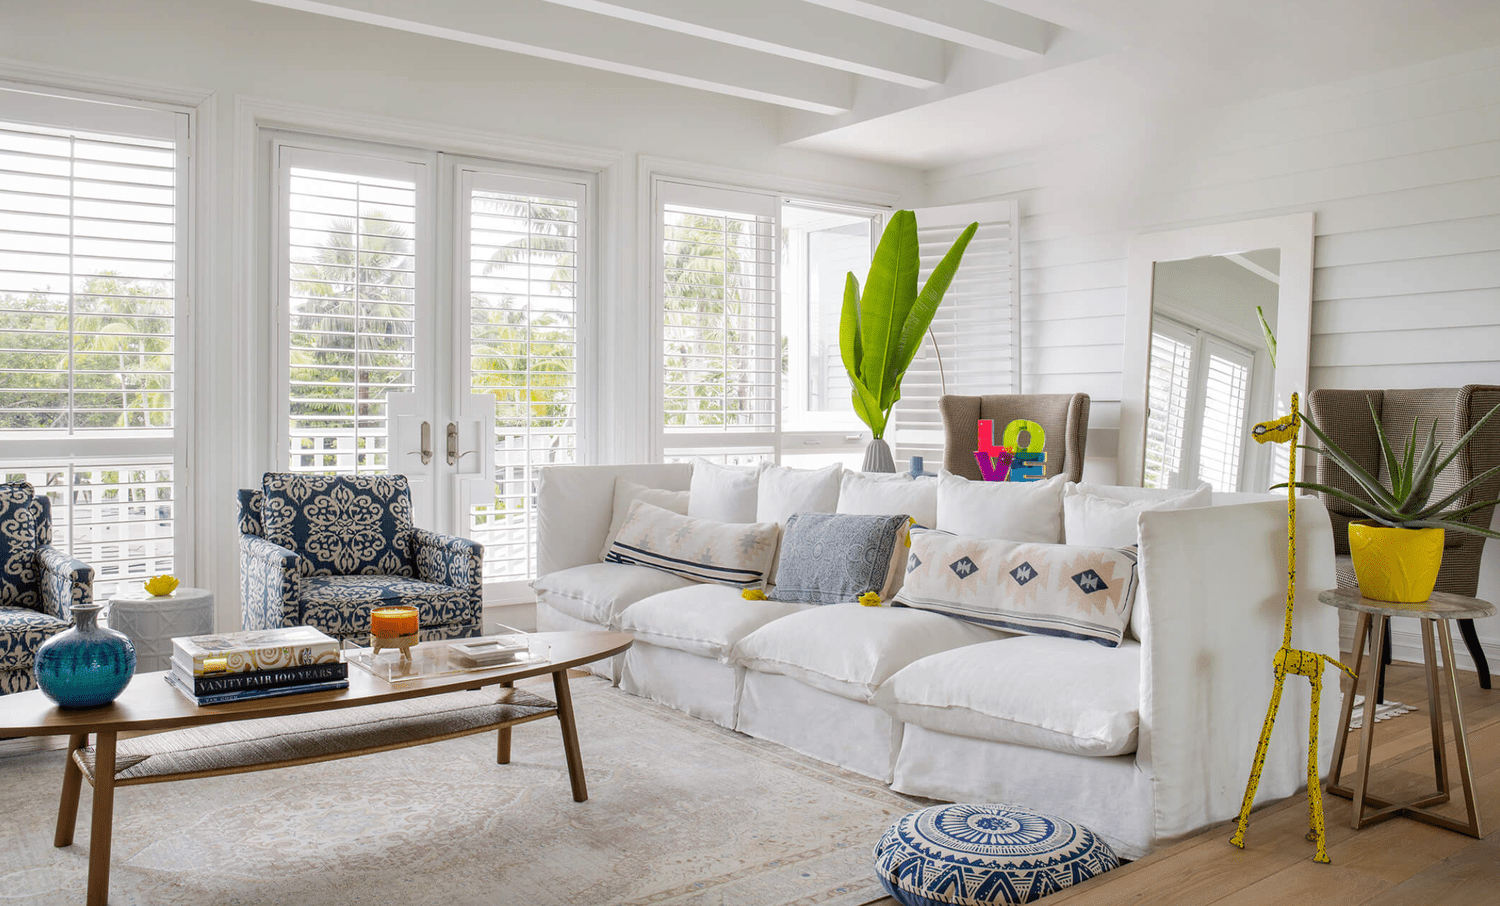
[(1396, 862)]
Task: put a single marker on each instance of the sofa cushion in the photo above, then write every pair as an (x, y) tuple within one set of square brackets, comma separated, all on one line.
[(783, 491), (627, 491), (864, 495), (849, 650), (1012, 510), (22, 632), (1039, 589), (827, 558), (17, 543), (1047, 693), (343, 525), (1092, 520), (341, 605), (1134, 495), (705, 620), (723, 493), (599, 592), (727, 553)]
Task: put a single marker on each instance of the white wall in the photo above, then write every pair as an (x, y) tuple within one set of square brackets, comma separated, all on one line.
[(1402, 170), (236, 49)]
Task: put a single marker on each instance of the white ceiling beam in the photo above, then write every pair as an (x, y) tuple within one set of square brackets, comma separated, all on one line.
[(584, 39), (973, 23), (1256, 269), (793, 29)]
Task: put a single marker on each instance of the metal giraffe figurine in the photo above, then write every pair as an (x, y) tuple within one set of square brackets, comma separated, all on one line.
[(1289, 660)]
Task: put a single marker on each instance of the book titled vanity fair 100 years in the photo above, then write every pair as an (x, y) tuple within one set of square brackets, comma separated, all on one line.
[(258, 649)]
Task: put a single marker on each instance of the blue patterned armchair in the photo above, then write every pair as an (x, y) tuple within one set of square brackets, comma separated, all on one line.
[(324, 550), (39, 585)]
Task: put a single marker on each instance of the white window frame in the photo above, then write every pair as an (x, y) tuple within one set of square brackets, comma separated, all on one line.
[(1203, 343)]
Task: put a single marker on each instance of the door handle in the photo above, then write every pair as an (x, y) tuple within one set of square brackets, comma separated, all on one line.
[(453, 455), (426, 451)]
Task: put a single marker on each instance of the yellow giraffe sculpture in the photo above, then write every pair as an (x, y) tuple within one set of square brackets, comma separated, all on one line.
[(1289, 660)]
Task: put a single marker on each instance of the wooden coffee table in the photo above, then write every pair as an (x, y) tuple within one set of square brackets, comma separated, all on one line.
[(392, 716)]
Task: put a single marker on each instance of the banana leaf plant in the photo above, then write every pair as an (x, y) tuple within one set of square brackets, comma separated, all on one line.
[(882, 329), (1407, 502)]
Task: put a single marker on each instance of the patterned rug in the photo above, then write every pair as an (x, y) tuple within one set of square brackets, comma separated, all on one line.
[(1383, 711), (680, 811)]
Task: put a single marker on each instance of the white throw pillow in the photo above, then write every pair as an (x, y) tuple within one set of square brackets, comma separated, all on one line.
[(1057, 694), (1038, 589), (1094, 521), (705, 620), (627, 491), (599, 592), (1009, 510), (861, 495), (726, 553), (723, 493), (849, 650), (1131, 495), (783, 491)]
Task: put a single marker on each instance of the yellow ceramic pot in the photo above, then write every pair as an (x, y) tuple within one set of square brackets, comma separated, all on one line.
[(1395, 564)]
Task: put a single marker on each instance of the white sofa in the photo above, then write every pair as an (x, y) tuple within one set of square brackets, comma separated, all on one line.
[(1144, 743)]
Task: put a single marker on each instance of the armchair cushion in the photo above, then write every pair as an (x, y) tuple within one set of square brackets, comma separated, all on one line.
[(17, 544), (341, 524), (341, 605), (22, 631)]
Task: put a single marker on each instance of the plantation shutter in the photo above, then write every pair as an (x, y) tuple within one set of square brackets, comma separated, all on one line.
[(976, 328), (93, 201), (349, 304), (720, 365), (521, 277), (1226, 398), (1170, 391)]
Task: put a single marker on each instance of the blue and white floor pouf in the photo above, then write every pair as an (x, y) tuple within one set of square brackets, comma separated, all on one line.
[(968, 855)]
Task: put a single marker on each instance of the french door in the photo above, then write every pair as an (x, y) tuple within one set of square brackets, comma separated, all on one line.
[(432, 322)]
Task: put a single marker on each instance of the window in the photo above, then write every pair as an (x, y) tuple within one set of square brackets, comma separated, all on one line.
[(92, 228), (1198, 408)]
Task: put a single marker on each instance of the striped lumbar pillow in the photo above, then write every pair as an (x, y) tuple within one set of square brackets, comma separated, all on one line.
[(1038, 589), (726, 553)]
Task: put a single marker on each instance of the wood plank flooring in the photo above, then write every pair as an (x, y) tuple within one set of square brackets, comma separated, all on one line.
[(1396, 862)]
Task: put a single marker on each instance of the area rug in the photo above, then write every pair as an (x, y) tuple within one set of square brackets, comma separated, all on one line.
[(680, 811), (1383, 711)]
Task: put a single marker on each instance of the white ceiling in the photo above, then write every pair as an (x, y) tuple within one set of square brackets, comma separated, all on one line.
[(928, 83)]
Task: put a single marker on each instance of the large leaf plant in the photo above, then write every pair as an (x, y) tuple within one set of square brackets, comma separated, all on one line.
[(1407, 502), (882, 329)]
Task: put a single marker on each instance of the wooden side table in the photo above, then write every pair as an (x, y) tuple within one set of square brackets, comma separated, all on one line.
[(1434, 615)]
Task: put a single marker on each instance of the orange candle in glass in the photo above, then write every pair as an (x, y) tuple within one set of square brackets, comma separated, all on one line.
[(394, 621)]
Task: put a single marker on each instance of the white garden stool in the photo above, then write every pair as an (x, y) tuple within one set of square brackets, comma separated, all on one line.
[(151, 622)]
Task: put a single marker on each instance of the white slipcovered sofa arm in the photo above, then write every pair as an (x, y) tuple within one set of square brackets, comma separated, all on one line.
[(1214, 581), (574, 505)]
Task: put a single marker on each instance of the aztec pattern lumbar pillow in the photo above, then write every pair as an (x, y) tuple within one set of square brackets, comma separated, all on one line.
[(17, 542), (343, 525), (725, 553), (833, 559), (1039, 589)]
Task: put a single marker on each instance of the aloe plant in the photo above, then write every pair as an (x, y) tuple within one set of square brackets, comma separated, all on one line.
[(881, 330), (1407, 502)]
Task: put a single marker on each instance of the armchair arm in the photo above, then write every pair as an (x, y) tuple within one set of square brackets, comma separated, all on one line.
[(65, 583), (269, 583), (452, 561)]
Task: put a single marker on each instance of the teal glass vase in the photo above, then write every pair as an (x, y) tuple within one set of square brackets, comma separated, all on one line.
[(86, 666)]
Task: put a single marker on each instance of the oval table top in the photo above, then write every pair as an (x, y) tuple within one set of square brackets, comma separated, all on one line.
[(1441, 606), (149, 703)]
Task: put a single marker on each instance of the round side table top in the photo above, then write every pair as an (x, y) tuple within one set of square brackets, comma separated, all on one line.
[(1441, 606), (181, 596)]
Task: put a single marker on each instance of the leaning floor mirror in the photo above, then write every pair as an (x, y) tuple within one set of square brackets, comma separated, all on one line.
[(1199, 371)]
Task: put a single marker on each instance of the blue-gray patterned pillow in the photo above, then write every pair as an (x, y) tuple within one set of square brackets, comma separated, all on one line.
[(343, 525), (17, 542), (833, 558)]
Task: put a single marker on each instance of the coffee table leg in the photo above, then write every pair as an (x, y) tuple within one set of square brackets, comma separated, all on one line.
[(101, 829), (67, 809), (569, 735), (502, 743)]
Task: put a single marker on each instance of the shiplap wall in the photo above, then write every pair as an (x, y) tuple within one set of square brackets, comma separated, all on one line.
[(1402, 170)]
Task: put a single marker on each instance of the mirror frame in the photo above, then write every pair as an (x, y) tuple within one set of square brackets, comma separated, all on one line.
[(1292, 234)]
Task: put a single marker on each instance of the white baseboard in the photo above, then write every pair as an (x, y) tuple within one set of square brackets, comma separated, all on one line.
[(520, 615), (1406, 643)]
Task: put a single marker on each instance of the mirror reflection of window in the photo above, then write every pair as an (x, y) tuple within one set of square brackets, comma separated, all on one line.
[(1210, 377)]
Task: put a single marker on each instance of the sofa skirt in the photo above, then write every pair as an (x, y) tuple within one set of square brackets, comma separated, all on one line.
[(702, 687), (850, 734), (549, 619), (1108, 795)]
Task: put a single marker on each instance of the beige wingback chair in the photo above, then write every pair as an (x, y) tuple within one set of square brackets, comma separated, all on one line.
[(1344, 415), (1064, 416)]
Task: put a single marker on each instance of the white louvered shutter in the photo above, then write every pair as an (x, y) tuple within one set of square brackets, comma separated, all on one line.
[(1170, 391), (720, 356), (977, 326), (92, 222), (349, 304), (1226, 397)]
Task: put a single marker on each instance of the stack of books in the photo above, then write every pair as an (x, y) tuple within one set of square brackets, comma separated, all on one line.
[(236, 666)]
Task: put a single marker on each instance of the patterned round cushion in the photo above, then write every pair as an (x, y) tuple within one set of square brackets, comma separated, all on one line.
[(980, 854)]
